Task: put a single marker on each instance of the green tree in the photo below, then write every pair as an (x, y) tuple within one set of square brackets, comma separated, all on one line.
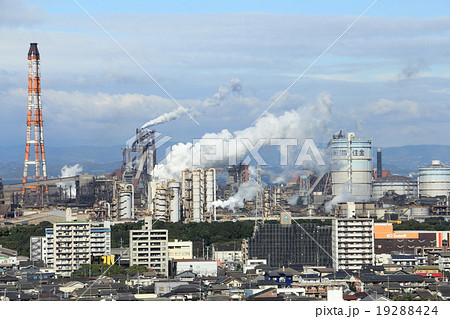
[(133, 270), (96, 270)]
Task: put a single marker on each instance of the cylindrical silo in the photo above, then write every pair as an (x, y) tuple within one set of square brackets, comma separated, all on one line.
[(352, 168), (125, 204), (198, 194), (401, 185), (434, 180), (211, 193), (174, 188), (161, 203), (419, 212)]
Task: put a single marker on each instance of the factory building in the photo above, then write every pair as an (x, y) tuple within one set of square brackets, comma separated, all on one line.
[(138, 161), (305, 244), (353, 243), (68, 245), (351, 167), (3, 206), (164, 200), (149, 248), (400, 185), (407, 241), (198, 193), (434, 180)]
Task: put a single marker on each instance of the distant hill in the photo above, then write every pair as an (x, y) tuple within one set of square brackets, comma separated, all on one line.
[(404, 160), (401, 160)]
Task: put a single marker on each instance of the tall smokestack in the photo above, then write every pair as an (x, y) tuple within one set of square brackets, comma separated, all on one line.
[(34, 120), (379, 164)]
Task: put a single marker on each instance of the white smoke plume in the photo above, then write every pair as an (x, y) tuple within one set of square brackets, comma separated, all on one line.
[(69, 171), (306, 122), (293, 200), (344, 197), (247, 191), (217, 98)]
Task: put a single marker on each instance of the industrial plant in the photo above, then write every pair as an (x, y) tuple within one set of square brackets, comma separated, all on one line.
[(351, 204)]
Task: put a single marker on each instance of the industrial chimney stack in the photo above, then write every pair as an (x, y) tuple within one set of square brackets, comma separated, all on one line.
[(35, 133), (379, 164)]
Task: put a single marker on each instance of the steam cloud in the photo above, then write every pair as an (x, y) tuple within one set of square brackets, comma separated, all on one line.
[(217, 98), (247, 191), (69, 171), (344, 197), (305, 122)]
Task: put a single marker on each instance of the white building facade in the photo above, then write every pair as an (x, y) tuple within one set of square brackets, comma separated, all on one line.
[(352, 243), (149, 248)]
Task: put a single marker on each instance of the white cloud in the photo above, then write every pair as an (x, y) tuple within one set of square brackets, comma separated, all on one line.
[(15, 13), (92, 90), (405, 109)]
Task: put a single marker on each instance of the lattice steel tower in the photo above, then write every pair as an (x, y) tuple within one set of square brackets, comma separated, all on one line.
[(35, 122)]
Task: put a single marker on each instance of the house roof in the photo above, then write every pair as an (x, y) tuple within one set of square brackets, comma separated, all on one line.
[(264, 266), (8, 278), (186, 274), (444, 290), (227, 279), (424, 294), (218, 298), (338, 275), (218, 287), (361, 295), (391, 285), (350, 297), (193, 260), (368, 277), (126, 297), (184, 289), (324, 270), (375, 297), (276, 273), (266, 283), (309, 276), (259, 295)]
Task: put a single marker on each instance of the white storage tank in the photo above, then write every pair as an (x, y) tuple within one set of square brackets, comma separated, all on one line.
[(434, 180), (174, 188), (125, 204), (211, 193), (419, 212), (161, 202), (198, 194), (352, 167), (401, 185)]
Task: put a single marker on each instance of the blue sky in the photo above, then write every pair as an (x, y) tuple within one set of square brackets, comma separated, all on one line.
[(383, 8), (388, 77)]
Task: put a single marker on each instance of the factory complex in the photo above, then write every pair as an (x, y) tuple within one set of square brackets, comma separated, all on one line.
[(327, 233)]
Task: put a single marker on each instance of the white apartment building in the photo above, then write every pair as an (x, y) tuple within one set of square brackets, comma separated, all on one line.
[(71, 246), (352, 243), (68, 245), (444, 261), (180, 249), (149, 248)]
